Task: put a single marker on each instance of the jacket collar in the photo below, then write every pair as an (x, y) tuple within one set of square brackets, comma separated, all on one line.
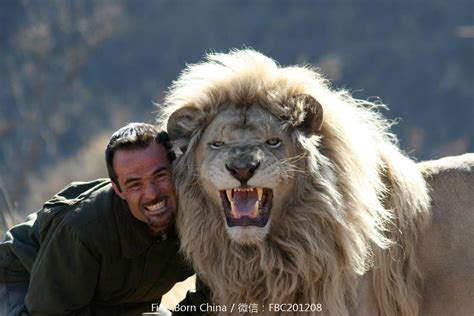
[(134, 236)]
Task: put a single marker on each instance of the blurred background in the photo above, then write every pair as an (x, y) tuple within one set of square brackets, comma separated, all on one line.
[(71, 72)]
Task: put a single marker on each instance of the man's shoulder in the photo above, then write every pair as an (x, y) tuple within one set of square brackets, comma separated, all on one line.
[(90, 202), (77, 191), (82, 204), (88, 216)]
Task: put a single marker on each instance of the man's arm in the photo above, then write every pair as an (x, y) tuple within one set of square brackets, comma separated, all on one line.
[(63, 276)]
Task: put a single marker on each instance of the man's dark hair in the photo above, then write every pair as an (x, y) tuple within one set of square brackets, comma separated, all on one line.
[(133, 136)]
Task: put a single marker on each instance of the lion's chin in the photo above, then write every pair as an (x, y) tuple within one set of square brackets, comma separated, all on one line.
[(248, 235)]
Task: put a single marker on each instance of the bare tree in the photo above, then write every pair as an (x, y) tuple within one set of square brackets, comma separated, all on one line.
[(43, 63)]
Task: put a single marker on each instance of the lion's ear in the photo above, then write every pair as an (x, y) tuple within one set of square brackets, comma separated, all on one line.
[(183, 122), (312, 111)]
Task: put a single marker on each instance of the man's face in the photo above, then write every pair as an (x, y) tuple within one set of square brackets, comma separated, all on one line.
[(144, 175)]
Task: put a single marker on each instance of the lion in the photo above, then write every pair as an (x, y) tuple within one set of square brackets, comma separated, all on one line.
[(295, 197)]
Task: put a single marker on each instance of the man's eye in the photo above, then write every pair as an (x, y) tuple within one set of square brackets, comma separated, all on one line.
[(161, 176), (134, 186), (216, 144), (273, 142)]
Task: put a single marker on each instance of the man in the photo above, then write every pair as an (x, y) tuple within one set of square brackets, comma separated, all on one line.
[(102, 247)]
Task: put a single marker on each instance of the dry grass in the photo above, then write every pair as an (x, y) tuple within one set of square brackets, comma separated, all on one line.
[(178, 292)]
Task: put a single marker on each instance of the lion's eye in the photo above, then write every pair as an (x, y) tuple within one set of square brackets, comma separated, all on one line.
[(216, 144), (274, 142)]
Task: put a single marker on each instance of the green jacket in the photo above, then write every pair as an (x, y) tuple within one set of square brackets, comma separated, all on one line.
[(85, 254)]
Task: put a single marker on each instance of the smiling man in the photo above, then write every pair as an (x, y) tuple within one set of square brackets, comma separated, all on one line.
[(106, 247), (145, 181)]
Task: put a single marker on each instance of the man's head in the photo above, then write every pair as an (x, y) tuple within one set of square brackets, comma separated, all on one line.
[(138, 160)]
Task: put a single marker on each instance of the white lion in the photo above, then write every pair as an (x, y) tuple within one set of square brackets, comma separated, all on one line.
[(291, 192)]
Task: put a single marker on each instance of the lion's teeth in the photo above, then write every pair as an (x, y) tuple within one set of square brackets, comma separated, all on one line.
[(260, 193), (235, 214), (256, 209), (244, 189), (229, 195)]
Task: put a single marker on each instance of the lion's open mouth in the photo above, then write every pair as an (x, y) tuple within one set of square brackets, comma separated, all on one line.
[(247, 206)]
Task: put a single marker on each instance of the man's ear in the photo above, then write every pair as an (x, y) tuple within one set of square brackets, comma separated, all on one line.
[(183, 122), (117, 190), (312, 111)]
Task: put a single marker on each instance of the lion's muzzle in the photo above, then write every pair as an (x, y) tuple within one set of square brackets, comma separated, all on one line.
[(242, 171)]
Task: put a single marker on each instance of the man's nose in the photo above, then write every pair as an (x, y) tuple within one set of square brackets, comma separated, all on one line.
[(152, 190)]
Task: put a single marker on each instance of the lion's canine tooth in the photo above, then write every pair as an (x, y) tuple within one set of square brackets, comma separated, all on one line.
[(260, 193), (233, 211), (256, 209), (229, 195)]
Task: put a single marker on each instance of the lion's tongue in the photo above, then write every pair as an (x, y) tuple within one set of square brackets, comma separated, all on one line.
[(244, 203)]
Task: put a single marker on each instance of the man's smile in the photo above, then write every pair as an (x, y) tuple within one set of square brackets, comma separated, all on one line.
[(158, 207)]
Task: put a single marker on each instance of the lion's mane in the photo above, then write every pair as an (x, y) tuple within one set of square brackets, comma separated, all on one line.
[(357, 209)]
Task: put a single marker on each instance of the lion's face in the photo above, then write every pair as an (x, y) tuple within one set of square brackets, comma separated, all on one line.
[(272, 157), (245, 160), (244, 166)]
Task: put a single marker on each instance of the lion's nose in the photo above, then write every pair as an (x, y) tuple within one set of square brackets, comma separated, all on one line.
[(242, 171)]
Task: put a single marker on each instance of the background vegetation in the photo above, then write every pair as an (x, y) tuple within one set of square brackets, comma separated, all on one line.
[(73, 71)]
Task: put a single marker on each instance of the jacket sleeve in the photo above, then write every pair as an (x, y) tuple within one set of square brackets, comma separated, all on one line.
[(63, 277), (202, 295), (18, 251)]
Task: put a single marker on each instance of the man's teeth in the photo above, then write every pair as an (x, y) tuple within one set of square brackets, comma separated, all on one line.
[(156, 206)]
